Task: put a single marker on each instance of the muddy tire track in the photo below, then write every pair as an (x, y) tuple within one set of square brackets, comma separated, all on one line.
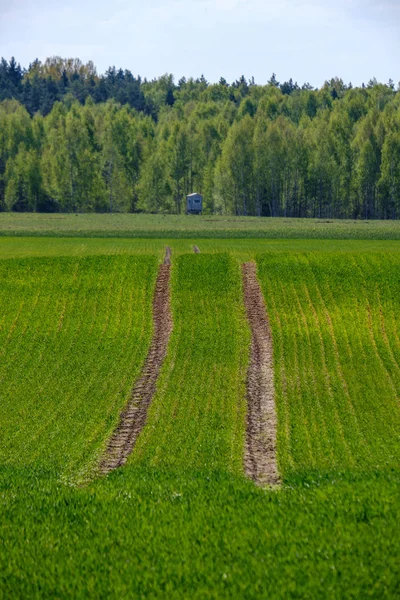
[(260, 450), (134, 416), (196, 249)]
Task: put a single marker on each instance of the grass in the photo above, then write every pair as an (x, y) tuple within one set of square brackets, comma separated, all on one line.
[(242, 249), (189, 227), (337, 356), (180, 520), (197, 417), (166, 534), (73, 335)]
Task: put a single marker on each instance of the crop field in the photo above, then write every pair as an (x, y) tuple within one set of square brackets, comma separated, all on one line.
[(242, 249), (337, 359), (181, 519), (186, 227), (74, 333), (197, 417)]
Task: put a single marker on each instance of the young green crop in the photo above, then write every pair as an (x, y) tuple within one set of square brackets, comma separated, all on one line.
[(197, 417), (337, 354), (73, 336), (191, 227), (180, 520), (151, 533), (242, 249)]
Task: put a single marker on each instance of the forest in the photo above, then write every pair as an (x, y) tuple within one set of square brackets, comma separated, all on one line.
[(75, 141)]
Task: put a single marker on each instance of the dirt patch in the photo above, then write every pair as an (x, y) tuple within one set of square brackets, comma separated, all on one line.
[(260, 451), (167, 257), (133, 418), (196, 249)]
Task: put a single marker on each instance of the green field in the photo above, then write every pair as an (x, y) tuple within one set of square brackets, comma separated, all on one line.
[(186, 227), (181, 520), (243, 249), (197, 418), (337, 355), (73, 336)]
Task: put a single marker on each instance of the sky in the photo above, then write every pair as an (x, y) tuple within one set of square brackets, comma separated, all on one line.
[(308, 40)]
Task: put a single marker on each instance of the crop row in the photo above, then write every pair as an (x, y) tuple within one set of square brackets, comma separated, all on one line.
[(74, 333), (73, 336), (337, 355), (180, 520), (197, 417)]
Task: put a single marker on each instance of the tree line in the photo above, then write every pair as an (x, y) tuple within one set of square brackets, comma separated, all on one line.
[(71, 140)]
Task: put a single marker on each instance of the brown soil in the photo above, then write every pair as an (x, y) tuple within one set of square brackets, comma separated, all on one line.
[(260, 452), (133, 418), (167, 257), (196, 249)]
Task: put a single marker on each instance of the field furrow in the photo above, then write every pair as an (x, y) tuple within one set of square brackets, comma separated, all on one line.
[(134, 415), (260, 451)]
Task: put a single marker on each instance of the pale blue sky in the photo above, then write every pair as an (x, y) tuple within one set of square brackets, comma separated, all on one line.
[(309, 40)]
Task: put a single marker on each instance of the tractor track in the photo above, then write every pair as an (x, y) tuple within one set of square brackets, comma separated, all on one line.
[(260, 450), (167, 257), (134, 416)]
